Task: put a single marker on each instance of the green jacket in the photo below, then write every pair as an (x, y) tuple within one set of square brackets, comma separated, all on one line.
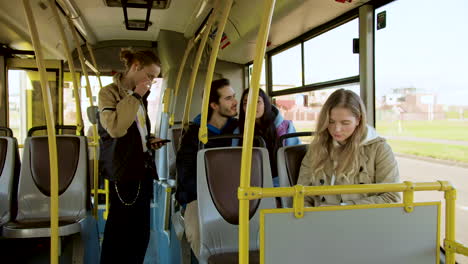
[(377, 164)]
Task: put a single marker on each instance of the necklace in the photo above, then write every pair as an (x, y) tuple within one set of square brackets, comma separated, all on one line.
[(134, 200)]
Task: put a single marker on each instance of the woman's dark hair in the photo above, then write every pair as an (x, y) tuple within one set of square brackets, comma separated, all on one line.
[(264, 126), (144, 57)]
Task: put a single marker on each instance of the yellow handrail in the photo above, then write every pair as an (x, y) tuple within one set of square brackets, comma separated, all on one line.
[(408, 189), (106, 187), (96, 145), (93, 59), (90, 97), (173, 99), (193, 76), (249, 129), (95, 138), (80, 56), (47, 100), (203, 131), (76, 88)]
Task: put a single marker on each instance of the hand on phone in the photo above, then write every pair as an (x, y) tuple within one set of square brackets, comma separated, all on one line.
[(157, 143)]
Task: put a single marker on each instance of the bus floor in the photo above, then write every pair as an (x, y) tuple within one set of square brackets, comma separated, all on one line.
[(424, 171)]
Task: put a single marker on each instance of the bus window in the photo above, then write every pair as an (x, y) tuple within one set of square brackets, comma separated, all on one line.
[(421, 97), (304, 108), (25, 100), (287, 69), (262, 77), (330, 56), (69, 103)]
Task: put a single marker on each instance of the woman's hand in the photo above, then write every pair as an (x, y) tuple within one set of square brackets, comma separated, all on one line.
[(157, 143), (142, 87)]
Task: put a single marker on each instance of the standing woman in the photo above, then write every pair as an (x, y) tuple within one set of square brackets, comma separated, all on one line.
[(346, 151), (270, 125), (126, 157)]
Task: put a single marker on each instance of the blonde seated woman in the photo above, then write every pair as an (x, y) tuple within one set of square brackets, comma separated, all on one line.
[(346, 151)]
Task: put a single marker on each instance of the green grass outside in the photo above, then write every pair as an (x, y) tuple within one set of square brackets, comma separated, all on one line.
[(448, 130), (440, 129), (432, 150)]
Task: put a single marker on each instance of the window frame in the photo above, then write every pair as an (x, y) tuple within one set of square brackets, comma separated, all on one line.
[(346, 17)]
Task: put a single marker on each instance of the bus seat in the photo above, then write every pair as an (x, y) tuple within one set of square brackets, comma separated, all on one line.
[(9, 172), (33, 217), (218, 177), (175, 135), (289, 164)]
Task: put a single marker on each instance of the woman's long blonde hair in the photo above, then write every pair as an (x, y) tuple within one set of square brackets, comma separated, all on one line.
[(347, 156)]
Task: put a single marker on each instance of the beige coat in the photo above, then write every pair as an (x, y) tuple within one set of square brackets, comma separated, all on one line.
[(377, 164), (117, 108)]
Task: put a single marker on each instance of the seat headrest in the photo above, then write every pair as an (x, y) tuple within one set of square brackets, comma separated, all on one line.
[(223, 177), (68, 152), (176, 134), (92, 114), (294, 156), (3, 152)]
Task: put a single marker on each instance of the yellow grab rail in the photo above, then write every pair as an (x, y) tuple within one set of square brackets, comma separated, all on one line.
[(193, 76), (90, 97), (408, 189), (76, 88), (249, 129), (93, 58), (95, 139), (47, 100), (203, 131), (80, 56), (173, 99)]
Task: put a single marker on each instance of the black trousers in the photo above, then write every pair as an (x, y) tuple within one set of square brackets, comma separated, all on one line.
[(127, 230)]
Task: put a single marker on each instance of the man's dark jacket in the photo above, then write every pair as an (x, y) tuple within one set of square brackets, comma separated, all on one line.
[(186, 159)]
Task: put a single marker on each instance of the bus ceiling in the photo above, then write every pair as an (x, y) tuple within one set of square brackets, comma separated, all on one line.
[(99, 21)]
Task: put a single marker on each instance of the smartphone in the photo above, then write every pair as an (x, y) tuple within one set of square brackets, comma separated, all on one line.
[(164, 141)]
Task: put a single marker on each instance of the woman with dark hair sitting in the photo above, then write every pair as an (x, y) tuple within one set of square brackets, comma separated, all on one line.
[(270, 125)]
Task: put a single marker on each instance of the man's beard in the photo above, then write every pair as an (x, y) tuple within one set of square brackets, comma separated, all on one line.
[(226, 113)]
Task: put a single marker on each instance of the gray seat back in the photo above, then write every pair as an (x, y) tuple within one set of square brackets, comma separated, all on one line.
[(218, 177), (289, 163), (174, 135), (9, 162), (353, 234), (34, 182)]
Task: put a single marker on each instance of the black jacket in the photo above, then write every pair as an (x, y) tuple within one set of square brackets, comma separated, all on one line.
[(186, 160)]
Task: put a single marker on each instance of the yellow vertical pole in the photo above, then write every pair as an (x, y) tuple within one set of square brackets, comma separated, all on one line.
[(79, 118), (80, 56), (203, 131), (96, 147), (106, 187), (189, 47), (249, 130), (95, 138), (90, 97), (93, 60), (450, 198), (47, 100), (193, 76)]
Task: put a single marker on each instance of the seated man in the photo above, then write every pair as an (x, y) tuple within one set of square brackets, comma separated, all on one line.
[(221, 113)]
